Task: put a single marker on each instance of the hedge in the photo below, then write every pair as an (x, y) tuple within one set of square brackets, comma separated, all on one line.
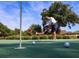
[(38, 37)]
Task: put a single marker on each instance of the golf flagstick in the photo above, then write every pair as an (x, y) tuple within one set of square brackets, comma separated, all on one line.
[(20, 43)]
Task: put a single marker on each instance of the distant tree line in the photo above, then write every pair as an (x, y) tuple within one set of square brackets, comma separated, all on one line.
[(5, 31)]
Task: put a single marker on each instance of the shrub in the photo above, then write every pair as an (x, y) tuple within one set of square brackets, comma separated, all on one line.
[(43, 37), (73, 37), (12, 37), (2, 38), (26, 37), (66, 37), (49, 37), (34, 37), (59, 37)]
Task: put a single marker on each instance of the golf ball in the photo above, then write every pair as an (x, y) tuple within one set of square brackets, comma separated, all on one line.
[(66, 44), (33, 42)]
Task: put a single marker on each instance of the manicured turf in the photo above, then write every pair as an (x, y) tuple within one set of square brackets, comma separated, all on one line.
[(43, 49)]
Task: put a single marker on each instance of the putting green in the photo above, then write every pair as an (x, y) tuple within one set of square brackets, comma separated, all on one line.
[(42, 49)]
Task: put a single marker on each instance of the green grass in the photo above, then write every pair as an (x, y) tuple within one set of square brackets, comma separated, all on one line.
[(43, 49)]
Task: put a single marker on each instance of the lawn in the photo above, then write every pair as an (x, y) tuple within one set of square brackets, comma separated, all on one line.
[(42, 49)]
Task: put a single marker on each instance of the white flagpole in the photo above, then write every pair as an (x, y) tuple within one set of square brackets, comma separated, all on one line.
[(20, 44), (20, 23)]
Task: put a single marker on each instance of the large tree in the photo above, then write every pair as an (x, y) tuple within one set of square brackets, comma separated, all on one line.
[(63, 13), (4, 30)]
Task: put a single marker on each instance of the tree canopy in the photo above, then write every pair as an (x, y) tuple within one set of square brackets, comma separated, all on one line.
[(36, 28), (4, 30), (63, 13)]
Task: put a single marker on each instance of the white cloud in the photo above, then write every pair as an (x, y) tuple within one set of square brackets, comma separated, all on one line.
[(10, 19), (38, 6), (28, 19), (32, 14)]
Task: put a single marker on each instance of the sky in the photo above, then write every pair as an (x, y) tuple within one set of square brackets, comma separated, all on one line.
[(31, 10)]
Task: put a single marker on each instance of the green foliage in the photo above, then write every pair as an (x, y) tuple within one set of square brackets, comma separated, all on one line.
[(17, 31), (36, 28), (59, 37), (4, 30), (73, 37), (49, 37), (12, 37), (35, 37), (66, 37), (43, 37), (26, 37), (63, 37), (27, 33), (62, 13)]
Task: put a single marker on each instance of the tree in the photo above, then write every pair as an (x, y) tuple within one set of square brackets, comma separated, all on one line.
[(17, 31), (4, 30), (36, 28), (28, 31), (62, 13), (33, 29)]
